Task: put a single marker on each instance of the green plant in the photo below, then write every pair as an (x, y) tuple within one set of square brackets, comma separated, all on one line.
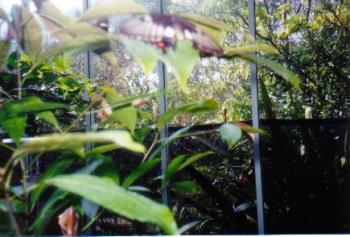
[(40, 85)]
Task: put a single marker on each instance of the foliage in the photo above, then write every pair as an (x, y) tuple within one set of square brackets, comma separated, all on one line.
[(312, 39), (40, 93)]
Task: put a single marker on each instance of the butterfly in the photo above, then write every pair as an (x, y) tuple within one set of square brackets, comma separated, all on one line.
[(164, 30)]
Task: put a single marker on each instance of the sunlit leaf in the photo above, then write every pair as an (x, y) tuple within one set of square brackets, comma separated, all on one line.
[(111, 8), (144, 53), (275, 67), (182, 61), (33, 34), (27, 105), (126, 116), (250, 48), (114, 198), (230, 134), (196, 107), (74, 141), (249, 129), (75, 45)]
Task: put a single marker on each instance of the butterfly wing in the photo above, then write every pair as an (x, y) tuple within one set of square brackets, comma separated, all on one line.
[(164, 30)]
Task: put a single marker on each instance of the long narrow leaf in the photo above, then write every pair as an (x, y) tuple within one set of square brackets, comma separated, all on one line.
[(112, 8), (194, 158), (114, 198), (288, 75), (196, 107), (139, 171), (169, 140), (74, 141), (251, 48), (172, 168)]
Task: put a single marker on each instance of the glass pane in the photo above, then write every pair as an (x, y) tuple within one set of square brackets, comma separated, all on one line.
[(224, 203), (305, 154)]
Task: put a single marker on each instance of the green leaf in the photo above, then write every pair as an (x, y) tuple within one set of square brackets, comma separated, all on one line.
[(50, 118), (172, 168), (102, 149), (169, 140), (139, 171), (58, 167), (206, 21), (15, 127), (78, 44), (141, 133), (230, 134), (126, 116), (27, 105), (74, 141), (196, 107), (48, 211), (3, 15), (275, 67), (4, 49), (117, 199), (249, 129), (194, 158), (112, 8), (209, 26), (184, 187), (107, 169), (62, 26), (144, 53), (250, 48), (182, 60), (33, 34)]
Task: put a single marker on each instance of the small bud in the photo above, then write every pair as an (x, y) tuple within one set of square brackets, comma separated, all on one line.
[(105, 111), (68, 221), (140, 102)]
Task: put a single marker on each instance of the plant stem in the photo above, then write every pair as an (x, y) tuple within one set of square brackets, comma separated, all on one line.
[(6, 185), (150, 148)]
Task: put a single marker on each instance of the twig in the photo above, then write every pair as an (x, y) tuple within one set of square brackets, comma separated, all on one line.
[(150, 148), (6, 185)]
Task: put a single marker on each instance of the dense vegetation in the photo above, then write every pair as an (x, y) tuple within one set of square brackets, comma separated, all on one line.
[(42, 92)]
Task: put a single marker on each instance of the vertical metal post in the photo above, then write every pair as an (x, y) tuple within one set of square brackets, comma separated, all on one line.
[(89, 118), (163, 109), (255, 119)]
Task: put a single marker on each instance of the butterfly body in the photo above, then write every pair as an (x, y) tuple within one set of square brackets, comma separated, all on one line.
[(164, 30)]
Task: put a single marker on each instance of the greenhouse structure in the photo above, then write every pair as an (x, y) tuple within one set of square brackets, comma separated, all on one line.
[(176, 117)]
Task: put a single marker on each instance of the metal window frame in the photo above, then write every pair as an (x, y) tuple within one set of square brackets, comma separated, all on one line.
[(255, 122), (164, 133)]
